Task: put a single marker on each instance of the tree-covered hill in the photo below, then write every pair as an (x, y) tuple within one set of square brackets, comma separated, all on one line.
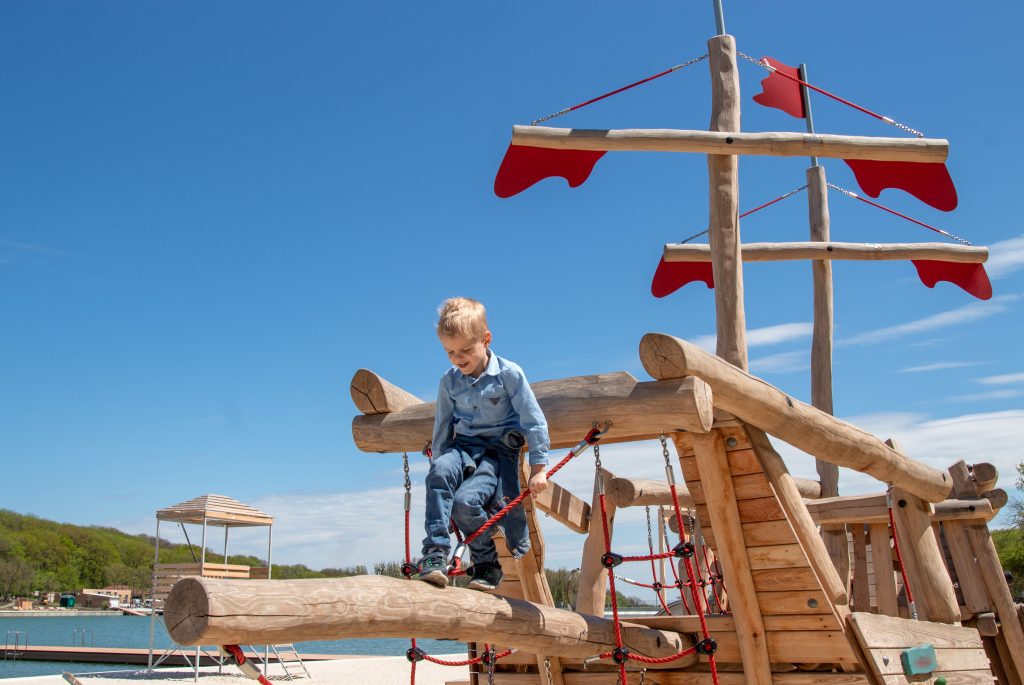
[(41, 555)]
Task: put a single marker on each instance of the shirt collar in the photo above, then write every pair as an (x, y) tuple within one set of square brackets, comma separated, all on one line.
[(492, 365)]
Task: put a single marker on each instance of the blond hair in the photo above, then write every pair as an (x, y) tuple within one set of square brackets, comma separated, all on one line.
[(462, 317)]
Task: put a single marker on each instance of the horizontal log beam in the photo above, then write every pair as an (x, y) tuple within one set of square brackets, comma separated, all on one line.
[(213, 611), (872, 508), (640, 492), (637, 410), (801, 425), (780, 252), (735, 143)]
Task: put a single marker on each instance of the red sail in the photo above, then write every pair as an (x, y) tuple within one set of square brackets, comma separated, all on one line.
[(970, 277), (781, 92), (523, 166), (929, 182), (671, 276)]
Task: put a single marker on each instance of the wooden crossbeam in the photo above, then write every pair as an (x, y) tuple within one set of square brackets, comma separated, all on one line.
[(779, 252), (782, 144)]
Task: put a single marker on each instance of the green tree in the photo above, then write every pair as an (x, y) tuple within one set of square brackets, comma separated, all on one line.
[(16, 577)]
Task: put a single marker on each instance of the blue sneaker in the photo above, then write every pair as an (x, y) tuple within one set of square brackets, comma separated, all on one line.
[(434, 570)]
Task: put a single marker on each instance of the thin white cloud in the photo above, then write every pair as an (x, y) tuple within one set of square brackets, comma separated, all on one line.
[(938, 366), (783, 362), (954, 317), (28, 247), (981, 396), (769, 335), (1003, 379), (1005, 257)]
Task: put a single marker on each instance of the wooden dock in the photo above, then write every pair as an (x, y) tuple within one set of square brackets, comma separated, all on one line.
[(121, 655)]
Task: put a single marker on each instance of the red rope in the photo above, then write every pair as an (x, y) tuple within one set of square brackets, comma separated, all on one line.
[(591, 438), (899, 557), (911, 219), (835, 97), (467, 662), (618, 90), (245, 665), (611, 583)]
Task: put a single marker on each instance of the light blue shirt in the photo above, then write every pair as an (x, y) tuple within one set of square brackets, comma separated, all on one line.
[(497, 401)]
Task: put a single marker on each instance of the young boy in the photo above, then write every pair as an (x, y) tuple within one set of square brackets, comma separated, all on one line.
[(485, 408)]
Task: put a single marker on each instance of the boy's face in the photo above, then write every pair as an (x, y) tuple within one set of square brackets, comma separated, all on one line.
[(468, 354)]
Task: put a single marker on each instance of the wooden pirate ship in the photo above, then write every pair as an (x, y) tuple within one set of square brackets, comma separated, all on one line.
[(781, 581)]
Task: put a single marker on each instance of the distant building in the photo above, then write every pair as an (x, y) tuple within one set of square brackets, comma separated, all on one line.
[(24, 603), (105, 598)]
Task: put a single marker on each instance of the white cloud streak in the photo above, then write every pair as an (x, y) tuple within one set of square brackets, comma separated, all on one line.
[(1005, 257), (769, 335), (954, 317), (1003, 379), (938, 366)]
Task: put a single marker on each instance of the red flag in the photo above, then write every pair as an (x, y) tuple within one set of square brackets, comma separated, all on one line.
[(781, 92), (671, 276), (524, 165), (970, 277), (929, 182)]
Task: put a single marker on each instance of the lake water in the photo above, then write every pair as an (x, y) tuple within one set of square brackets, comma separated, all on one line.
[(112, 630)]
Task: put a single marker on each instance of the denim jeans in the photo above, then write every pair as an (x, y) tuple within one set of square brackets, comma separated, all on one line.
[(469, 500)]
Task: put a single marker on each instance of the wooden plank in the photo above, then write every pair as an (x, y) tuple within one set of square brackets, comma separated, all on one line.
[(885, 580), (750, 486), (810, 647), (781, 144), (760, 533), (949, 659), (948, 677), (793, 602), (861, 589), (564, 507), (755, 510), (785, 579), (741, 462), (886, 632), (803, 527), (775, 556), (724, 516)]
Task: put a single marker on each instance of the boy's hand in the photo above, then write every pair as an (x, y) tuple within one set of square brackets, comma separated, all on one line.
[(538, 483)]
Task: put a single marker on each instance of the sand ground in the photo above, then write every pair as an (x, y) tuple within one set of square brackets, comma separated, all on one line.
[(385, 670)]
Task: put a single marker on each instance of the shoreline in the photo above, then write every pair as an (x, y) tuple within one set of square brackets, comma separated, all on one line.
[(380, 670)]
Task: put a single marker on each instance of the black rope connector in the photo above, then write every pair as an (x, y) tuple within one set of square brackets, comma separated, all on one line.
[(409, 569), (488, 657), (707, 646), (415, 654), (657, 587), (620, 655), (684, 550), (611, 559)]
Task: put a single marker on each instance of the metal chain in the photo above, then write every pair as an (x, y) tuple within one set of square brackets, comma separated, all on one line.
[(408, 483), (490, 666), (547, 669), (643, 675)]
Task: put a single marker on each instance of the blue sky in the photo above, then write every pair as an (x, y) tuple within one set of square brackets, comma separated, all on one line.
[(213, 214)]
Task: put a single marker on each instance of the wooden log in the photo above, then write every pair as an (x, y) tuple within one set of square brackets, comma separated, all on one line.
[(997, 498), (985, 476), (824, 251), (992, 575), (571, 406), (811, 430), (223, 612), (639, 492), (798, 517), (709, 450), (986, 624), (374, 395), (861, 586), (929, 582), (776, 144), (590, 597), (723, 222), (872, 508)]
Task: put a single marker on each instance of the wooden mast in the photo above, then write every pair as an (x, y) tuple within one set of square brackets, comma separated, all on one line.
[(821, 339), (723, 223)]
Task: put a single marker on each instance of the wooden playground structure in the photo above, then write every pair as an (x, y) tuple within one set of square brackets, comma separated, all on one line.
[(781, 581)]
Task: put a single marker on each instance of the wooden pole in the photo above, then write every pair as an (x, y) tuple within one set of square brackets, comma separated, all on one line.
[(571, 406), (830, 251), (215, 611), (736, 142), (713, 466), (593, 586), (801, 425), (723, 223)]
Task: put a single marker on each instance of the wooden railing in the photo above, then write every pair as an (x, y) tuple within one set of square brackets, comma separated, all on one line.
[(166, 575)]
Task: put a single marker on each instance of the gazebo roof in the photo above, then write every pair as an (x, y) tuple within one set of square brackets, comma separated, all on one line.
[(217, 510)]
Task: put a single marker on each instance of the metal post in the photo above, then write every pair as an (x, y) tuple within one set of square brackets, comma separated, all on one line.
[(202, 572), (719, 18), (805, 94), (270, 572)]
